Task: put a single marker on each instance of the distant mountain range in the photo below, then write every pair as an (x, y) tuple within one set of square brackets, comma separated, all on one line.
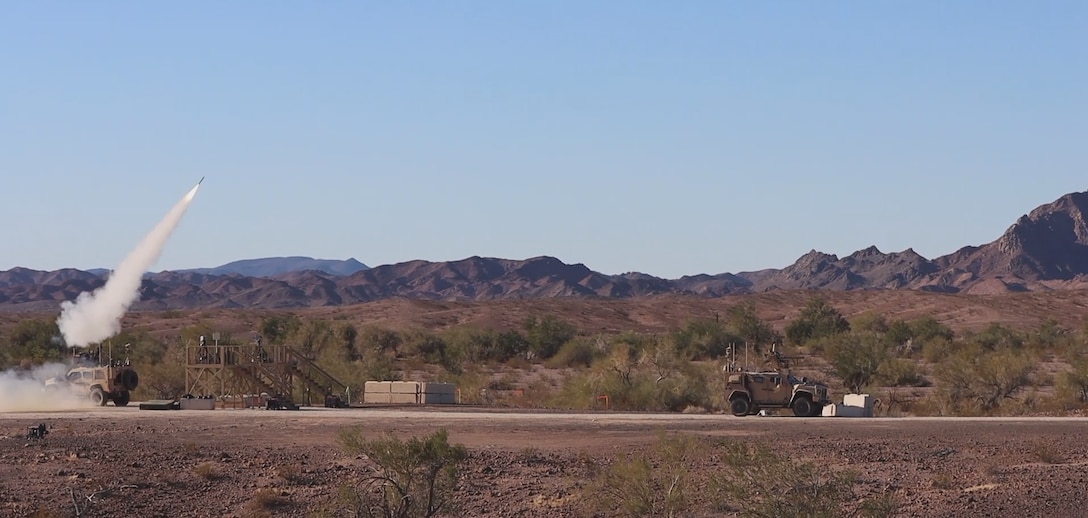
[(271, 267), (1046, 249)]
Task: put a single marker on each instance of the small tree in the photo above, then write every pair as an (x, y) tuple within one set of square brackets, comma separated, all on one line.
[(818, 319), (857, 358), (417, 477), (639, 486), (745, 323), (546, 335), (764, 484)]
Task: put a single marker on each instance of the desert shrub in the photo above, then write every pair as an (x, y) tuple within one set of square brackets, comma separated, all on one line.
[(417, 476), (936, 350), (277, 328), (650, 486), (899, 372), (857, 358), (975, 376), (380, 340), (883, 506), (943, 480), (996, 337), (38, 341), (1046, 453), (745, 324), (760, 483), (265, 500), (652, 378), (705, 339), (474, 345), (579, 352), (290, 473), (547, 335), (1072, 385), (871, 322), (162, 381), (818, 319), (207, 471)]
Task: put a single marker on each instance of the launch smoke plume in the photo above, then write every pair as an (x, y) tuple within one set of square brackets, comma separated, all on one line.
[(94, 317), (25, 391)]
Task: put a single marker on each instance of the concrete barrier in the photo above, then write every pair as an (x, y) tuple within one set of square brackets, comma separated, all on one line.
[(197, 404), (409, 393), (853, 405), (437, 393)]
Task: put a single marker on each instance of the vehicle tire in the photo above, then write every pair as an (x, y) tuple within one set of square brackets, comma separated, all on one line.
[(740, 406), (122, 398), (803, 407), (128, 379), (98, 397)]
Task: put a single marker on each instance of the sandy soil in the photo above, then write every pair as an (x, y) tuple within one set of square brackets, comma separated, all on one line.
[(130, 462)]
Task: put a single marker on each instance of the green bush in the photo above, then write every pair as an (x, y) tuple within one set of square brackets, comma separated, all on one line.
[(416, 477), (900, 372), (761, 483), (818, 319), (579, 352), (640, 486)]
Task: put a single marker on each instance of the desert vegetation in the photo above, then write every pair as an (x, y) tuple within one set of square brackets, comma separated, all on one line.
[(916, 366)]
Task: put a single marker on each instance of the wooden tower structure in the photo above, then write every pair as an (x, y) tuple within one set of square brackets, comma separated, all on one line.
[(230, 372)]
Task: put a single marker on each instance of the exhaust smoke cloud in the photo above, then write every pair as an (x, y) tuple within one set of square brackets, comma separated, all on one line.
[(94, 317), (26, 391)]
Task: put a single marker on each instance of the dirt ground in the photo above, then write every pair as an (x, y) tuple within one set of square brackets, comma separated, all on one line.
[(129, 462)]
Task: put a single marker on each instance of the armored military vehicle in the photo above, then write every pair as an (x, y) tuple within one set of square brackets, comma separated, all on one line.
[(750, 391), (101, 383)]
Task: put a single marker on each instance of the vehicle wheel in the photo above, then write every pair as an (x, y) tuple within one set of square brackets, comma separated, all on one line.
[(129, 379), (122, 398), (98, 397), (802, 407), (740, 406)]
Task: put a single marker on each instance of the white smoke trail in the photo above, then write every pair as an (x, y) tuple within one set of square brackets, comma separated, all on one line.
[(25, 391), (94, 317)]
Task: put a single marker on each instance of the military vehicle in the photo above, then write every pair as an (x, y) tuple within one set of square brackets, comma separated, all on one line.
[(750, 391), (101, 383)]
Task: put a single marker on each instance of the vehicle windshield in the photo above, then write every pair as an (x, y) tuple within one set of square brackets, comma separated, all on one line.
[(794, 380)]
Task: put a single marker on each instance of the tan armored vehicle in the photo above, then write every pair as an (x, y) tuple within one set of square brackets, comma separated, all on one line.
[(114, 382), (774, 387)]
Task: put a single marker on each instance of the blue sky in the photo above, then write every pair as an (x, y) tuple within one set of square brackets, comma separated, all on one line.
[(668, 138)]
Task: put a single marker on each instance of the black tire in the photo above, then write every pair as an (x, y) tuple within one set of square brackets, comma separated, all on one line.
[(740, 406), (98, 397), (122, 398), (803, 407), (128, 379)]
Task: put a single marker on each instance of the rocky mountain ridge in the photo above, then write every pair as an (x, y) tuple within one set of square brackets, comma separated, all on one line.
[(1046, 249)]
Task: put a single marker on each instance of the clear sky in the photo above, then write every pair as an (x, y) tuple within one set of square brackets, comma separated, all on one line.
[(669, 138)]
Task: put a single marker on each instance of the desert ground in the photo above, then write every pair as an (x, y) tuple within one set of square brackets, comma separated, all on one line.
[(129, 462)]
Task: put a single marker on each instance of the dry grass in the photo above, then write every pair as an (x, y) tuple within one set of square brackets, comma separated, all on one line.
[(943, 480), (291, 474), (207, 471), (1047, 454), (266, 500)]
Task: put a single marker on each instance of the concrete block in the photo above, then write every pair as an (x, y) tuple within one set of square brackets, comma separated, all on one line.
[(840, 410), (377, 387), (403, 399), (197, 404), (437, 388), (438, 399), (862, 401), (404, 387), (377, 397)]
